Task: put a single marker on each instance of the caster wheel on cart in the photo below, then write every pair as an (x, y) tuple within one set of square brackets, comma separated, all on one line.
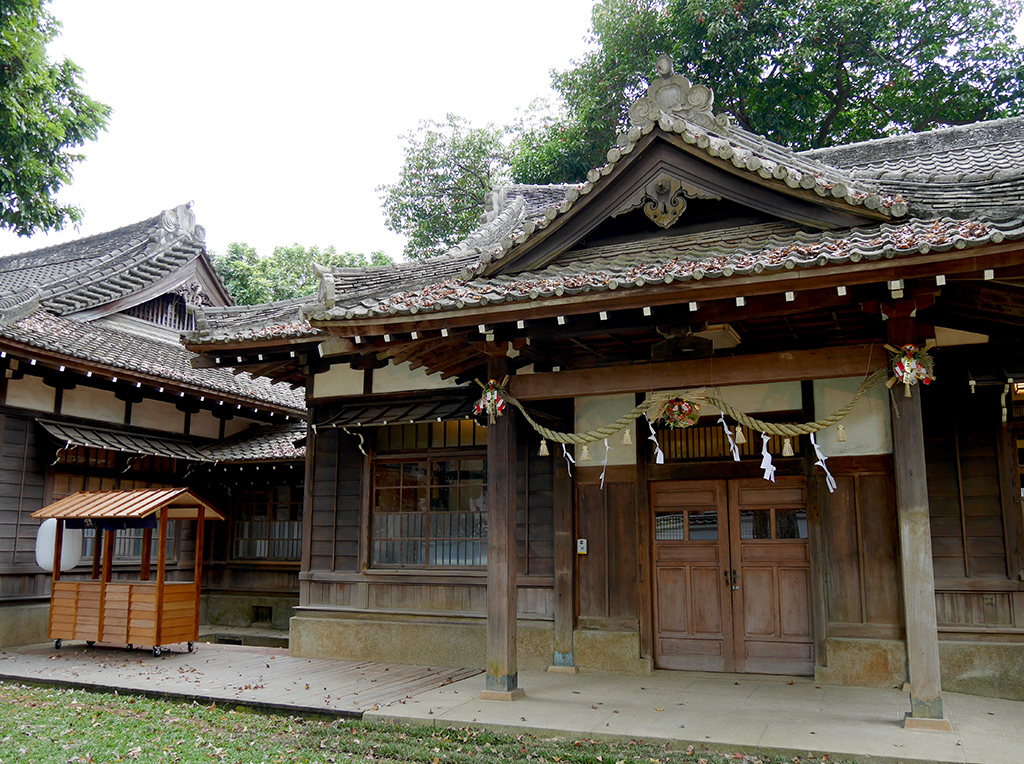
[(56, 644), (157, 651), (191, 646), (129, 647), (90, 642)]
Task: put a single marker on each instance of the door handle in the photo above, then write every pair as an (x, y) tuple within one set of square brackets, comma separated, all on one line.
[(735, 585)]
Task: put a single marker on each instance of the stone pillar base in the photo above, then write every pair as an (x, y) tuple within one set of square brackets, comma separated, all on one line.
[(515, 694), (912, 722)]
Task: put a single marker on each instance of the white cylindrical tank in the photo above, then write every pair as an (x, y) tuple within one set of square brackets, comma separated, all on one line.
[(71, 547)]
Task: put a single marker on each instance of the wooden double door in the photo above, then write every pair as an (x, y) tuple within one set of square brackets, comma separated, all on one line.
[(732, 576)]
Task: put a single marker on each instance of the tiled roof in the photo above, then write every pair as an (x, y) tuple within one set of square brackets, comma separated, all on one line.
[(96, 270), (124, 441), (975, 152), (260, 444), (741, 251), (253, 322), (953, 188), (144, 357)]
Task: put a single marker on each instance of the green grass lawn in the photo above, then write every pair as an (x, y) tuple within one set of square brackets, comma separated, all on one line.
[(58, 726)]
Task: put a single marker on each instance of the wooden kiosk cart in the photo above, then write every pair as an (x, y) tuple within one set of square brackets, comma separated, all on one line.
[(142, 612)]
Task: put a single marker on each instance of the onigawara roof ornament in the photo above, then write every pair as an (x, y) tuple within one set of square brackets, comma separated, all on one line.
[(675, 96)]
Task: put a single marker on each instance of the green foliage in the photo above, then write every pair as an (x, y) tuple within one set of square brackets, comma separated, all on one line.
[(439, 196), (807, 73), (43, 114), (287, 273)]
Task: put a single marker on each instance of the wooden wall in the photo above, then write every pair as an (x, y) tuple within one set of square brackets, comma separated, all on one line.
[(974, 501), (607, 575), (860, 550), (335, 570), (21, 493)]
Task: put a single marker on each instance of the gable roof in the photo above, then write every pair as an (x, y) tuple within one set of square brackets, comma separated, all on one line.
[(62, 305), (128, 265), (874, 212)]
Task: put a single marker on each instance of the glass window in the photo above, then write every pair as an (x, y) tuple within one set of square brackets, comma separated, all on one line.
[(430, 513), (670, 527), (268, 524), (704, 525), (755, 524), (791, 523)]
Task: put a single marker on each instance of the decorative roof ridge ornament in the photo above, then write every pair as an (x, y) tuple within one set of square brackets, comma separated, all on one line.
[(673, 95), (180, 221)]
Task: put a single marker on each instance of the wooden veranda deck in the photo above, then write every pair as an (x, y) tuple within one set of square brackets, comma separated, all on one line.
[(265, 677)]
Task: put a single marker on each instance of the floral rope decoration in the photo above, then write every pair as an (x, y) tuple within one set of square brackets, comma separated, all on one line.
[(911, 364), (682, 410), (680, 413), (493, 400)]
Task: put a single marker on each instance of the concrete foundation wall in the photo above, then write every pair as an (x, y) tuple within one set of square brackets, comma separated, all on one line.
[(990, 669), (238, 610), (24, 624), (864, 663), (453, 643)]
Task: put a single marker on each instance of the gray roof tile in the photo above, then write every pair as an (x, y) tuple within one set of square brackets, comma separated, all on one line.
[(120, 350)]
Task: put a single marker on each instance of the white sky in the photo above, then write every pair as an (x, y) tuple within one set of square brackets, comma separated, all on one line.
[(280, 119)]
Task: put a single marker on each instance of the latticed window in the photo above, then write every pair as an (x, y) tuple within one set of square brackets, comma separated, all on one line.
[(268, 525), (167, 310), (429, 508), (430, 512)]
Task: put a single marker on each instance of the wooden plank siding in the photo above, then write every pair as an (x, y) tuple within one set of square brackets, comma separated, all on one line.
[(340, 576), (859, 545), (971, 549), (22, 487), (608, 519)]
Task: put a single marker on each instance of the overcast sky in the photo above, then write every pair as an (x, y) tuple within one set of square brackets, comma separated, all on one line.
[(279, 120)]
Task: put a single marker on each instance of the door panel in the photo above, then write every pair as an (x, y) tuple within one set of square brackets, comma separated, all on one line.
[(693, 622), (772, 602), (732, 576)]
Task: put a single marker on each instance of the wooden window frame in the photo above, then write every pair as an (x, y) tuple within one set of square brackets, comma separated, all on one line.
[(429, 457)]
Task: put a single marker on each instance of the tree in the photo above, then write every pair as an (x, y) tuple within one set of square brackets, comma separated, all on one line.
[(287, 273), (805, 73), (439, 196), (43, 114)]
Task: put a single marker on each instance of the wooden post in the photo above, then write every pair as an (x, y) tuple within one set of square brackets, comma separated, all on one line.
[(200, 524), (97, 552), (644, 543), (915, 547), (564, 659), (502, 677), (108, 562), (161, 574), (147, 552), (58, 549)]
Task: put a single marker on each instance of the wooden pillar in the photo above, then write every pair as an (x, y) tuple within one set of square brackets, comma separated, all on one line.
[(644, 542), (564, 659), (108, 571), (200, 524), (97, 552), (161, 574), (502, 677), (58, 549), (915, 545), (147, 552)]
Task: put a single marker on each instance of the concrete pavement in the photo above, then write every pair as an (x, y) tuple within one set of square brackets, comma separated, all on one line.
[(730, 712)]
